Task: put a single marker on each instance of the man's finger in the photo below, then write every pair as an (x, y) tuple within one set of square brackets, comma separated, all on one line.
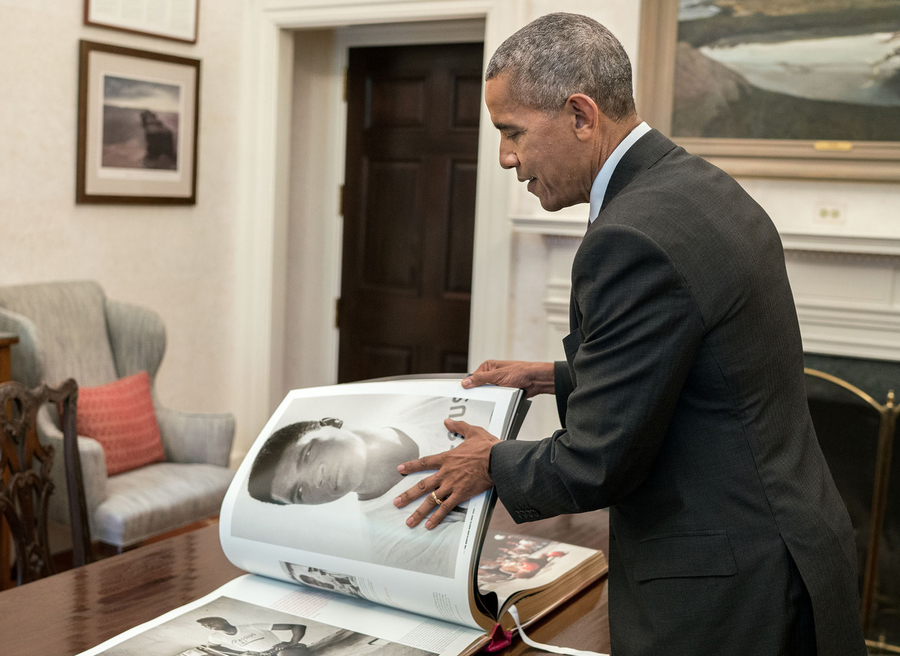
[(485, 377), (420, 464), (484, 374), (458, 427), (426, 507), (430, 504), (441, 511), (420, 513), (424, 486)]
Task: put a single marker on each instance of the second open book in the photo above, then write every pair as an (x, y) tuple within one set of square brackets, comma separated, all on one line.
[(310, 512)]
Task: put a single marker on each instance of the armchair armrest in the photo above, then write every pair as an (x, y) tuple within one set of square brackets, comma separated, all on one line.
[(196, 437), (93, 468), (137, 336)]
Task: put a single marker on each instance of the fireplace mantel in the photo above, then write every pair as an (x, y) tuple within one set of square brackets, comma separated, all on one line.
[(846, 288)]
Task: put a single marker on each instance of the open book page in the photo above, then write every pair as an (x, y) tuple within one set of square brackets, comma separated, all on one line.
[(252, 614), (317, 508), (511, 563)]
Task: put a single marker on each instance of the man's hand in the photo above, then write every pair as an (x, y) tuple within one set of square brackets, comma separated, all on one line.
[(533, 377), (462, 473)]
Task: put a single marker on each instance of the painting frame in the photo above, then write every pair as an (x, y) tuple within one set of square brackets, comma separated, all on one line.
[(766, 158), (94, 16), (136, 170)]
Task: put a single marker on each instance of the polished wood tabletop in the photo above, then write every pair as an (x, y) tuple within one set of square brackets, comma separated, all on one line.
[(78, 609)]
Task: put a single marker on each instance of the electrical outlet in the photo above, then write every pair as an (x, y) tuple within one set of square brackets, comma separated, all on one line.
[(830, 213)]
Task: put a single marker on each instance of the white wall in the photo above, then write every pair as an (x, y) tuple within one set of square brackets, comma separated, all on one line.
[(180, 261)]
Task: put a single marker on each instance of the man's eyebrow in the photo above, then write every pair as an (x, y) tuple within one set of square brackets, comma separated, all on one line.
[(507, 126)]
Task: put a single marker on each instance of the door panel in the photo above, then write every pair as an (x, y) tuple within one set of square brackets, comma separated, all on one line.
[(409, 209), (391, 243)]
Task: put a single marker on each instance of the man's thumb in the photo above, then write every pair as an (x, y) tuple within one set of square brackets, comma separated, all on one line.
[(456, 426), (478, 378)]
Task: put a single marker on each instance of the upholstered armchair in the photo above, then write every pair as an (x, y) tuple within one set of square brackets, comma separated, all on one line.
[(70, 329)]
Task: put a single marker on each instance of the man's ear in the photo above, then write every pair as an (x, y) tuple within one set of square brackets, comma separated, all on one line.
[(585, 113)]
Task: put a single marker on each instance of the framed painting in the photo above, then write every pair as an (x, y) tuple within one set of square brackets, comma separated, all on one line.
[(776, 88), (137, 126), (167, 19)]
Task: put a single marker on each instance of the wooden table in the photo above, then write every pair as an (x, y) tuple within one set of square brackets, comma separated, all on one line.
[(75, 610)]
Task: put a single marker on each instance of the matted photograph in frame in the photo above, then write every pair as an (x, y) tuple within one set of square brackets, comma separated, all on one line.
[(167, 19), (776, 88), (137, 126)]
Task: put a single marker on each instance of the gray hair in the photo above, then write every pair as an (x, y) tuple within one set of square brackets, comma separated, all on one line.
[(560, 54)]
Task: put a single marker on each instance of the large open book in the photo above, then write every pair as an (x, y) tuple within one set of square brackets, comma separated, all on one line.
[(336, 571)]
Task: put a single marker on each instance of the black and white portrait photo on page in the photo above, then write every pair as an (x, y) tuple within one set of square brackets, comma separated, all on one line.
[(332, 463), (229, 627)]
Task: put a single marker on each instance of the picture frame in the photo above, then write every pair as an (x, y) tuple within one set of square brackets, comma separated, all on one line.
[(138, 115), (750, 156), (167, 19)]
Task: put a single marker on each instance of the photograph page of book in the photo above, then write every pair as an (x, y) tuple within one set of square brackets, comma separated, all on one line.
[(511, 565), (257, 615), (312, 502)]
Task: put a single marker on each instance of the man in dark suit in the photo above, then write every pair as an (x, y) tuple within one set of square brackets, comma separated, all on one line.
[(682, 398)]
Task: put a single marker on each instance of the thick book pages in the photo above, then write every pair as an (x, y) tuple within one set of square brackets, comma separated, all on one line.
[(335, 568)]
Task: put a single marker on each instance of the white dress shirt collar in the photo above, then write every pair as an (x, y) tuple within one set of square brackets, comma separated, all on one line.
[(601, 182)]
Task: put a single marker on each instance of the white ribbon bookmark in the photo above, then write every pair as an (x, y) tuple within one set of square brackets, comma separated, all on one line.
[(551, 648)]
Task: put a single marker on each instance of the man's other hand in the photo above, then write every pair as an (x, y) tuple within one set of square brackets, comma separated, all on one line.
[(533, 377), (462, 473)]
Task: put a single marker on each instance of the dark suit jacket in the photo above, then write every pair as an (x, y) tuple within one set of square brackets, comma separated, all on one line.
[(684, 412)]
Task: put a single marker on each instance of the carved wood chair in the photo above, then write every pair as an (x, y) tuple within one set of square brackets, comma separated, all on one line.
[(25, 481)]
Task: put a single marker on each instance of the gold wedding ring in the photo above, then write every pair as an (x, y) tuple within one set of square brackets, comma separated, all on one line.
[(435, 499)]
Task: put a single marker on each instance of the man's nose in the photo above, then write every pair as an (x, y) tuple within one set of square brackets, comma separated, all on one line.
[(508, 158)]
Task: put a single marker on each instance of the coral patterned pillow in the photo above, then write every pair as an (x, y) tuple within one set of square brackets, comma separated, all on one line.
[(120, 416)]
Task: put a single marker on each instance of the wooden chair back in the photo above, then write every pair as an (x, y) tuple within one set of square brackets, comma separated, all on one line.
[(25, 481)]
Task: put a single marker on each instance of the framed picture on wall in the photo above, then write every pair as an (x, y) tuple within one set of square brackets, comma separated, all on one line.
[(168, 19), (776, 88), (137, 126)]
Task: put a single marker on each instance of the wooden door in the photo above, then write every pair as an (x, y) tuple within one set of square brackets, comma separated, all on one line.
[(409, 209)]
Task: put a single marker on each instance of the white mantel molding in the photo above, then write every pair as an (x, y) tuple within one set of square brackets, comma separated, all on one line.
[(834, 320), (852, 333), (548, 225), (569, 226), (839, 244)]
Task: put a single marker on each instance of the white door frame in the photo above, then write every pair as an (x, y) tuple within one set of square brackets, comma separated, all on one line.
[(267, 74)]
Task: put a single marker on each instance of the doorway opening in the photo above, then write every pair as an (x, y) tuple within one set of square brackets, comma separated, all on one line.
[(409, 209), (306, 351)]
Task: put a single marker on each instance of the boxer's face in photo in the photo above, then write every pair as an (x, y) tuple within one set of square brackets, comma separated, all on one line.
[(319, 467)]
